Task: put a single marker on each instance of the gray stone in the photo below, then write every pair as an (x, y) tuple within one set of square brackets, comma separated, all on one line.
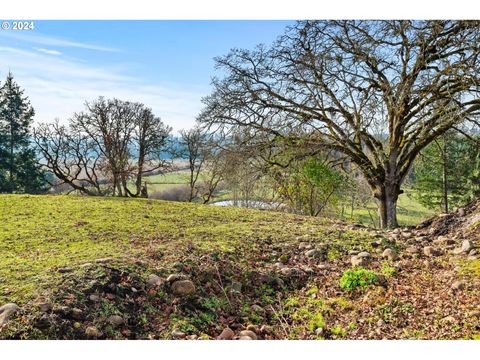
[(467, 245), (65, 270), (389, 254), (314, 253), (227, 334), (457, 285), (77, 314), (183, 288), (6, 312), (45, 307), (430, 251), (177, 334), (359, 261), (376, 243), (103, 260), (291, 272), (319, 332), (116, 321), (412, 250), (174, 277), (94, 297), (93, 332), (363, 254), (153, 281), (248, 333)]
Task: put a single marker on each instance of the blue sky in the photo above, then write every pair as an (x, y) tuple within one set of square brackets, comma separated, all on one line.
[(167, 65)]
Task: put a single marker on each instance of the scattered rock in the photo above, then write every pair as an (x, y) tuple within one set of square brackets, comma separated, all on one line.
[(420, 239), (93, 332), (359, 261), (266, 329), (458, 285), (94, 297), (77, 314), (116, 321), (177, 334), (103, 260), (412, 250), (153, 280), (291, 272), (6, 312), (389, 254), (319, 332), (376, 243), (314, 253), (183, 288), (227, 334), (431, 251), (248, 333), (363, 254), (448, 319), (45, 307), (467, 245), (245, 338), (174, 277), (65, 270)]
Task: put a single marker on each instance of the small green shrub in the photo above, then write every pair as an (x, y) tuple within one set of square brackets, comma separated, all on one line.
[(353, 279)]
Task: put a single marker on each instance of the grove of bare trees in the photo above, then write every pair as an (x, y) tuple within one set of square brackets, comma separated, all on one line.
[(105, 147)]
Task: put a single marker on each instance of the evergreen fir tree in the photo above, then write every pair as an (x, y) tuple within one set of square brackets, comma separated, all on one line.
[(19, 171)]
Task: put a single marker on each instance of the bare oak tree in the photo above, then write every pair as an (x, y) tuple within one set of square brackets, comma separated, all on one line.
[(376, 91), (105, 147)]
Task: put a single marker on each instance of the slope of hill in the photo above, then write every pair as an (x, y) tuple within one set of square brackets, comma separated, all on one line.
[(80, 267)]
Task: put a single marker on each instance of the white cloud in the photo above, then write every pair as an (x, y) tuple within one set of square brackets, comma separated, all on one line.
[(53, 41), (48, 51), (58, 87)]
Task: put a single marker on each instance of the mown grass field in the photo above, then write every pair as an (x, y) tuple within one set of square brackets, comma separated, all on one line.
[(40, 234)]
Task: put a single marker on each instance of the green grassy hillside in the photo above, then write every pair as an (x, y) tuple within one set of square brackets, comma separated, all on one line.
[(41, 234), (87, 267)]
